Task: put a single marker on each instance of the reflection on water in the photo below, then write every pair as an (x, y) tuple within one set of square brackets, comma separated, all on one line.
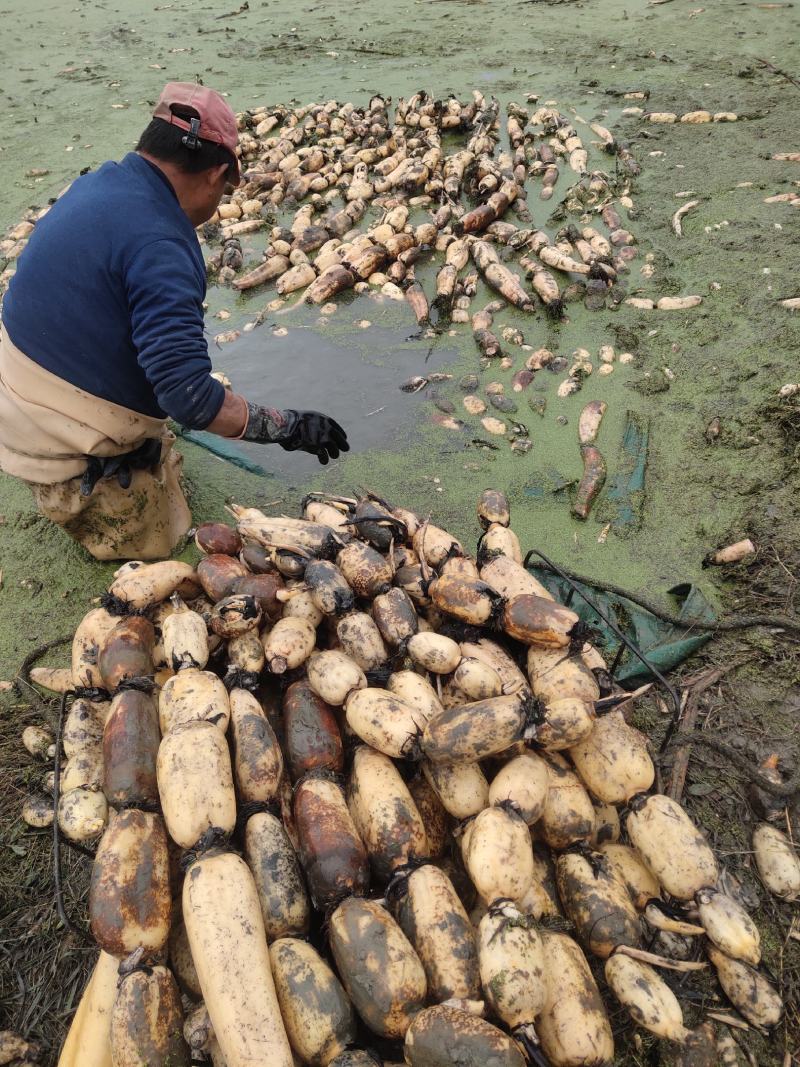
[(357, 384)]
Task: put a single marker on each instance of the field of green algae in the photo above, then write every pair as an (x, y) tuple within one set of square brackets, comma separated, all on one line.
[(87, 76), (77, 87)]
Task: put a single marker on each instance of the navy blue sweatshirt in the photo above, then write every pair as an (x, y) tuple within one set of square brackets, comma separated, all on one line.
[(108, 295)]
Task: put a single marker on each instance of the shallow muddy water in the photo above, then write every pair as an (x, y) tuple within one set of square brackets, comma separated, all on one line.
[(358, 383)]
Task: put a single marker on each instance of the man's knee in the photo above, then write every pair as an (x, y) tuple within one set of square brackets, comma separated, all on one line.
[(147, 520)]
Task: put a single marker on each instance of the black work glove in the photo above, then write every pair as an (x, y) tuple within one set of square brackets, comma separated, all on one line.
[(308, 431), (145, 457)]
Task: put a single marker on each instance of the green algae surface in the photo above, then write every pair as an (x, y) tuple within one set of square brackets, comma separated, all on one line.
[(87, 77)]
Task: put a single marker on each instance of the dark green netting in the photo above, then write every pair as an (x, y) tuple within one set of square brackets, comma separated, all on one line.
[(218, 446), (665, 645)]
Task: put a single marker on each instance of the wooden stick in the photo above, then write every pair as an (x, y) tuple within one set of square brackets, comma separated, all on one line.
[(680, 764), (777, 70)]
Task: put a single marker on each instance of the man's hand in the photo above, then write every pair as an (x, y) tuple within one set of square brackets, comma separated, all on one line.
[(306, 431)]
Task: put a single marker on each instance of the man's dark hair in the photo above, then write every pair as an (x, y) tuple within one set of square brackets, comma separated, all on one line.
[(163, 141)]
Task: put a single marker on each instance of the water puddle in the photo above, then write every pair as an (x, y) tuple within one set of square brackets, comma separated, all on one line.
[(355, 380)]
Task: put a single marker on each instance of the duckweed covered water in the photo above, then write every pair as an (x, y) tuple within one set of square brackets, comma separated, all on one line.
[(80, 81)]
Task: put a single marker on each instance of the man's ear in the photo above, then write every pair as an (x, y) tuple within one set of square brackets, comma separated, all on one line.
[(216, 173)]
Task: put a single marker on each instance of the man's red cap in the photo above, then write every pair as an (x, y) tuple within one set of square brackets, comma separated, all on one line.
[(217, 120)]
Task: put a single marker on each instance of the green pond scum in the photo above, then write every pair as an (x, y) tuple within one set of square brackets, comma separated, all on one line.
[(79, 84), (91, 82)]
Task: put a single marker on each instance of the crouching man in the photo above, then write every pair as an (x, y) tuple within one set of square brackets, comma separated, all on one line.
[(102, 340)]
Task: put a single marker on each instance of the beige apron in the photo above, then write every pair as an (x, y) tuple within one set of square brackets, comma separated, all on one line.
[(48, 427)]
